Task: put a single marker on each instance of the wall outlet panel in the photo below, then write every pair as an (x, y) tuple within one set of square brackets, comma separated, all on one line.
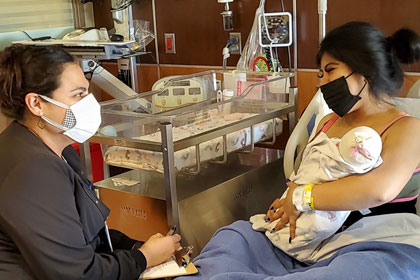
[(170, 43)]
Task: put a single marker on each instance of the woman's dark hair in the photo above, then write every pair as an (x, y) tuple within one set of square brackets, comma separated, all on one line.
[(25, 69), (366, 50)]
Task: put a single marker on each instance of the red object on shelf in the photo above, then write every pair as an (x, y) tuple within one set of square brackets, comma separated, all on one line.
[(96, 160)]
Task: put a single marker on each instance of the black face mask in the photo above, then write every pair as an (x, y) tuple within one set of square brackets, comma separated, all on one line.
[(338, 96)]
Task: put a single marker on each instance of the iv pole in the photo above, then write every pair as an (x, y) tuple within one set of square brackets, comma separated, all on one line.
[(322, 11)]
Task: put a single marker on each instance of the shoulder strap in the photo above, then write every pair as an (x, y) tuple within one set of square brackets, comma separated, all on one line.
[(400, 116), (326, 126), (329, 123), (335, 117)]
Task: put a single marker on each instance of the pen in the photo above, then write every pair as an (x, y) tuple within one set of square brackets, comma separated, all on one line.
[(171, 231), (108, 237)]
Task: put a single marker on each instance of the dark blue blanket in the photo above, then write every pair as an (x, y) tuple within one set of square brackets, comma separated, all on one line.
[(238, 252)]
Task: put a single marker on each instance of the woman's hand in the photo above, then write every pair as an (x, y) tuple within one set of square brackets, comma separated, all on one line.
[(159, 248), (275, 211), (285, 210), (290, 212)]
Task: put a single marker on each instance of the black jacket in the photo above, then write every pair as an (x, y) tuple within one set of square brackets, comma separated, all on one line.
[(51, 223)]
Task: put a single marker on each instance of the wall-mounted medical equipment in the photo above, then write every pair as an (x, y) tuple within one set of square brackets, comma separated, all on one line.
[(270, 31), (227, 15), (275, 29)]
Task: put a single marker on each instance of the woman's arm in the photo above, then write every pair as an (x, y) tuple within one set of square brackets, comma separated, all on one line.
[(401, 156)]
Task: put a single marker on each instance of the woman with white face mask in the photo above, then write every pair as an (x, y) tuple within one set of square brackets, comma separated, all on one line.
[(52, 226)]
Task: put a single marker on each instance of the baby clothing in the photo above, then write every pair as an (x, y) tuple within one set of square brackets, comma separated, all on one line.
[(324, 159), (328, 159), (361, 147)]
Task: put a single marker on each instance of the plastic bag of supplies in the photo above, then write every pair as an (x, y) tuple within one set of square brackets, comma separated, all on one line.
[(251, 58)]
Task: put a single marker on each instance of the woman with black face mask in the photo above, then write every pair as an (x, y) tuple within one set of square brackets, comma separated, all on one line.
[(360, 71)]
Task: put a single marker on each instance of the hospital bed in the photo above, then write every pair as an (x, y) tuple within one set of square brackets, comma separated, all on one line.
[(379, 247), (309, 120), (414, 91), (193, 155)]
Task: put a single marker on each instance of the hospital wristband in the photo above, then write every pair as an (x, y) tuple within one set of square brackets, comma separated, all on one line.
[(302, 198)]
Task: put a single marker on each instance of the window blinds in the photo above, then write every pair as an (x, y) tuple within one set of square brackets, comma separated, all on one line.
[(34, 14)]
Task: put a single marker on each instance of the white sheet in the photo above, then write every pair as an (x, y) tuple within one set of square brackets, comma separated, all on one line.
[(148, 160)]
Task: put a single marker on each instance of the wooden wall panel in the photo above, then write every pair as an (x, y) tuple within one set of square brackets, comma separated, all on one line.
[(389, 16), (197, 25), (200, 37)]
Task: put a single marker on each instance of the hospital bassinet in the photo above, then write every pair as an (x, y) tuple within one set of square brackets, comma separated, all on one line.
[(185, 128)]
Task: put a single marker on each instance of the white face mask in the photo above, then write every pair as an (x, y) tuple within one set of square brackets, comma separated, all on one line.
[(82, 119)]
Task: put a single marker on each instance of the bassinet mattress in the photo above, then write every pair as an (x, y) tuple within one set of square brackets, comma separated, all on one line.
[(212, 149)]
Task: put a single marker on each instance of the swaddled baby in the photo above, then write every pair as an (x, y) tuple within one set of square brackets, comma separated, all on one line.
[(324, 159)]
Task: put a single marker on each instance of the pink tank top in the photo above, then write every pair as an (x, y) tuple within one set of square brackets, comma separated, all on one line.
[(330, 123)]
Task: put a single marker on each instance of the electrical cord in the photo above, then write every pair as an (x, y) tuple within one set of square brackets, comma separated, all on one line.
[(26, 33), (38, 38), (273, 59), (279, 66), (155, 60), (272, 41), (269, 59)]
